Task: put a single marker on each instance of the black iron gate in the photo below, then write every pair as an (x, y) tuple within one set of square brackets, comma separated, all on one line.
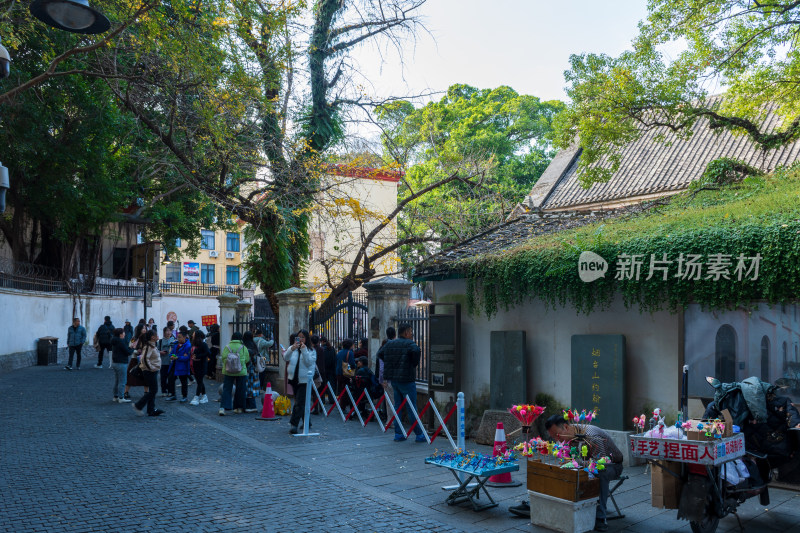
[(262, 319), (419, 319), (345, 319)]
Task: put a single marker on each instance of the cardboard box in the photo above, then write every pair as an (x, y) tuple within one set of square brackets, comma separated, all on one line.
[(665, 489), (570, 485)]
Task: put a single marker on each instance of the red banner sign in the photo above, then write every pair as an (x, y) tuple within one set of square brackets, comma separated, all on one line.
[(712, 452), (208, 320)]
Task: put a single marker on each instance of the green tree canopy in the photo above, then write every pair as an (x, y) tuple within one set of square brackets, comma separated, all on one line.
[(78, 161), (498, 129), (232, 103), (747, 47)]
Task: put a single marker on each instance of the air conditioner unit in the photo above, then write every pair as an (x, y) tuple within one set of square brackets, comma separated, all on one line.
[(228, 255), (213, 253)]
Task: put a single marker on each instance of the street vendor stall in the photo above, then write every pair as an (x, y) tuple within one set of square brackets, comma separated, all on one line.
[(469, 467), (564, 475), (697, 469)]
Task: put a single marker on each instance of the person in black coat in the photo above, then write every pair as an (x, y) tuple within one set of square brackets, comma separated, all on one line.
[(200, 355), (120, 355), (329, 359), (213, 351), (105, 333)]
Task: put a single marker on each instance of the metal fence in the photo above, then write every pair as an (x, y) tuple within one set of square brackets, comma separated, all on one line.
[(419, 318), (262, 307), (345, 319), (28, 277), (114, 289), (269, 325), (199, 289)]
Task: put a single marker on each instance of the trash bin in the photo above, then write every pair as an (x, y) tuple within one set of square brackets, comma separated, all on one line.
[(47, 351)]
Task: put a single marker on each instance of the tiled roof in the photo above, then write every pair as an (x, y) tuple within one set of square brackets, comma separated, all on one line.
[(502, 237), (650, 168), (352, 171)]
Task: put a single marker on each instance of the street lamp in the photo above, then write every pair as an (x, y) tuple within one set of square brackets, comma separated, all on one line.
[(167, 260), (74, 16), (5, 70), (4, 186), (149, 261), (5, 62)]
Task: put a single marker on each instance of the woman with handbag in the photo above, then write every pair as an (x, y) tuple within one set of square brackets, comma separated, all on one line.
[(301, 359), (149, 365)]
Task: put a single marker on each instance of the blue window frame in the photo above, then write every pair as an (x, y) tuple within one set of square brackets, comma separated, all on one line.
[(207, 274), (232, 242), (208, 239), (232, 275), (174, 273)]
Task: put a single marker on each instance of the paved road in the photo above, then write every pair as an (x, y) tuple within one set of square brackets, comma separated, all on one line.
[(71, 460)]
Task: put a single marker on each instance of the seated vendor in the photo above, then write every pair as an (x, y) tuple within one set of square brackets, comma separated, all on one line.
[(600, 445)]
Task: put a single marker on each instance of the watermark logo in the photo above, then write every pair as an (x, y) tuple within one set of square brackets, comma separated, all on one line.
[(693, 267), (591, 266)]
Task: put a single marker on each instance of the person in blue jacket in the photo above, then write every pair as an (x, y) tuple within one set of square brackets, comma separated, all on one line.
[(181, 355), (76, 336)]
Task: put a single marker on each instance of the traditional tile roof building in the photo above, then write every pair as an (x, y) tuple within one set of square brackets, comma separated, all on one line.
[(733, 344), (649, 169)]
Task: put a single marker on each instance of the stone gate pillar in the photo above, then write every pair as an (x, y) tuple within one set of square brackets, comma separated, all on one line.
[(386, 298), (227, 314), (293, 314), (243, 310)]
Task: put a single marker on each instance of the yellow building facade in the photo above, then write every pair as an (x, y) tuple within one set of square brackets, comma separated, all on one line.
[(218, 262)]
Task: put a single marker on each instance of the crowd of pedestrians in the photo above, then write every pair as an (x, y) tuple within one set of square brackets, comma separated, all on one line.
[(187, 355), (139, 358)]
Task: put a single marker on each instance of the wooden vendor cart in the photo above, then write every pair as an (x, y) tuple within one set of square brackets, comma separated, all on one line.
[(697, 466)]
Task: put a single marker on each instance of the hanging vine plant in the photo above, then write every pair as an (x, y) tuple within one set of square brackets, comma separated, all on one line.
[(745, 237)]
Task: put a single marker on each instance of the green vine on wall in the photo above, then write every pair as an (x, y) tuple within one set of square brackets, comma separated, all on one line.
[(758, 216)]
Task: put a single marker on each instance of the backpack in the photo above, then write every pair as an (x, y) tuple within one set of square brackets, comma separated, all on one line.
[(233, 365), (261, 363)]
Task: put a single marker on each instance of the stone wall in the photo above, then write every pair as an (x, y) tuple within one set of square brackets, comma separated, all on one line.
[(27, 316), (653, 347)]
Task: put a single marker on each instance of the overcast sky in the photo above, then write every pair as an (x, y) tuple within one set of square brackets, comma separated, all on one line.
[(524, 44)]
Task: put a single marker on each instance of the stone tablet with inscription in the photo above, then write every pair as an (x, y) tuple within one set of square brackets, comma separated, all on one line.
[(598, 377), (508, 371)]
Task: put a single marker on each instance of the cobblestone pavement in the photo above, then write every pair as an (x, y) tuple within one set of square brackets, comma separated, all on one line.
[(71, 460)]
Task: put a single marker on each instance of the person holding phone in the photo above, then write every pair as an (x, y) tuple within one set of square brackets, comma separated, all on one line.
[(301, 358)]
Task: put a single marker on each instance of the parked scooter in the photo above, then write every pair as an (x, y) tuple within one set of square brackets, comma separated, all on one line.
[(771, 426)]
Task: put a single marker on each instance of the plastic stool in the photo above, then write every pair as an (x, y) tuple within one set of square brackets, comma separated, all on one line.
[(618, 513)]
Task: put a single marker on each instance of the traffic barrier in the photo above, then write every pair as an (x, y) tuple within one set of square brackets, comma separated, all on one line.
[(268, 412), (390, 410), (500, 480), (307, 413)]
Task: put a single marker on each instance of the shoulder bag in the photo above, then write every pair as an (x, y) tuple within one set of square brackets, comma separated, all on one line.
[(137, 371)]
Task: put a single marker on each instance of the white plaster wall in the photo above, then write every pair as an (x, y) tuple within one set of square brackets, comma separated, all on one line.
[(652, 347), (778, 323), (27, 316)]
